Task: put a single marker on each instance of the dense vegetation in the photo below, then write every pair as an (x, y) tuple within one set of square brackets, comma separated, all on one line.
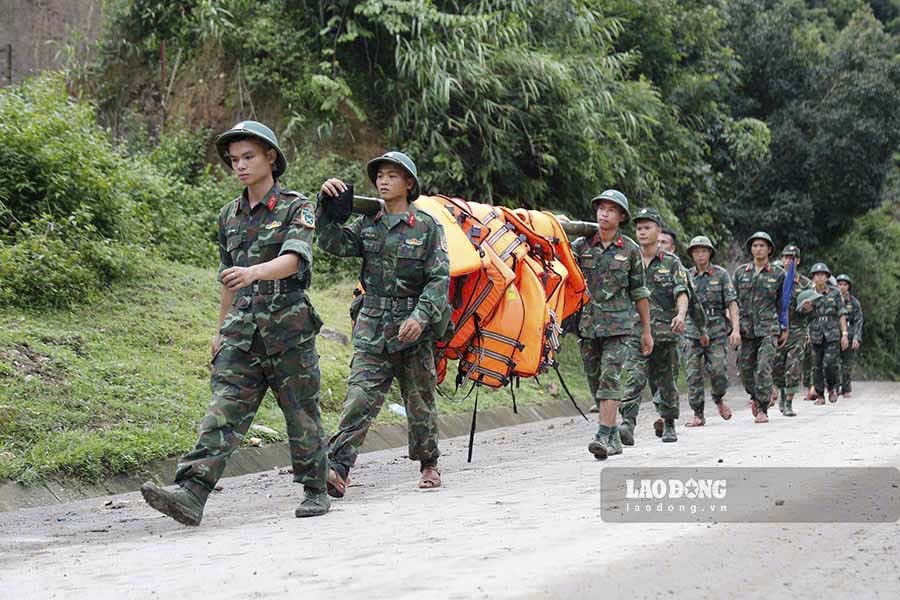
[(727, 116)]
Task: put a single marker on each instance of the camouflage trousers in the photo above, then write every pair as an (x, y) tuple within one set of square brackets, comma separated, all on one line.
[(603, 360), (239, 383), (806, 366), (787, 371), (847, 358), (755, 365), (825, 366), (657, 369), (370, 379), (712, 358)]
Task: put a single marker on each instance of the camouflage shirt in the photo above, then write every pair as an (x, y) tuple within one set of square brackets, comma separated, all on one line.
[(825, 321), (282, 223), (715, 290), (615, 280), (667, 279), (854, 317), (759, 297), (799, 321), (404, 257)]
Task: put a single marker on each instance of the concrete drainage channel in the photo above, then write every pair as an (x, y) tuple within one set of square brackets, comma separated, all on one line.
[(14, 496)]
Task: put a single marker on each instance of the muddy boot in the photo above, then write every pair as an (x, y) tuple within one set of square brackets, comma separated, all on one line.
[(697, 421), (599, 447), (658, 427), (626, 433), (315, 503), (614, 445), (668, 434), (183, 502), (724, 410), (788, 409)]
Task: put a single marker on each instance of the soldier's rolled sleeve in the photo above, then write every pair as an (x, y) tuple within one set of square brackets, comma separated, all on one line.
[(299, 236), (636, 288), (437, 286), (225, 261), (729, 292)]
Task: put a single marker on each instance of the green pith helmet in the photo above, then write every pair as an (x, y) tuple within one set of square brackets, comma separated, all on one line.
[(845, 277), (701, 241), (820, 267), (648, 214), (616, 197), (252, 129), (791, 250), (760, 235), (810, 295), (402, 161)]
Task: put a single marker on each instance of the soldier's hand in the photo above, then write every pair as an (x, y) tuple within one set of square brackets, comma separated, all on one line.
[(704, 340), (677, 324), (735, 338), (855, 344), (410, 331), (845, 342), (236, 278), (216, 344), (646, 343), (782, 339), (333, 187)]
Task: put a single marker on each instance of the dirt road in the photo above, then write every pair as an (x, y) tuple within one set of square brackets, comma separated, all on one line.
[(522, 521)]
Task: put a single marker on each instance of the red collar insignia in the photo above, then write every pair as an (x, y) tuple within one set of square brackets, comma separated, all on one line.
[(273, 200), (411, 220), (620, 242)]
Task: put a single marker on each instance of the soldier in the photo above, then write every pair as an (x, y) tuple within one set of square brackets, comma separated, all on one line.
[(615, 278), (855, 325), (668, 240), (786, 371), (763, 331), (828, 334), (667, 281), (716, 291), (406, 278), (266, 335)]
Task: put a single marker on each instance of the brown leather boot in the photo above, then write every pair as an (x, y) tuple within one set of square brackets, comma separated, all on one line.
[(724, 410)]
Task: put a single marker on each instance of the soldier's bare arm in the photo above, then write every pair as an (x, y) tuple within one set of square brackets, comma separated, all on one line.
[(735, 318)]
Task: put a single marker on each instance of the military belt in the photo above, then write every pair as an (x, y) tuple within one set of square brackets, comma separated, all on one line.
[(267, 287), (388, 302)]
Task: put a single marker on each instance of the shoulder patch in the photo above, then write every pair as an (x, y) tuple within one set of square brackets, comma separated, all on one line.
[(306, 217)]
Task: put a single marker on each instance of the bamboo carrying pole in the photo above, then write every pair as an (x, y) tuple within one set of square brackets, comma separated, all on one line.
[(367, 205)]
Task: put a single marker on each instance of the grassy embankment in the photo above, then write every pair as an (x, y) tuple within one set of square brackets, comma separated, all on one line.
[(108, 386)]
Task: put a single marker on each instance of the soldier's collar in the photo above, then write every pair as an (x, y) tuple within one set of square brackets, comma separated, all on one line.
[(270, 200)]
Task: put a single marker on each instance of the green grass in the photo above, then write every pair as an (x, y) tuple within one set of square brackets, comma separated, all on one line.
[(122, 381)]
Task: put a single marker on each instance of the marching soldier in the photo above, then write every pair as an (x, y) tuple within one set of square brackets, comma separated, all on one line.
[(716, 291), (828, 334), (855, 326), (406, 278), (667, 281), (786, 372), (266, 335), (759, 286), (615, 277)]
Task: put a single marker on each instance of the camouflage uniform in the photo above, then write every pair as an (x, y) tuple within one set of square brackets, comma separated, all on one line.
[(615, 279), (759, 297), (268, 341), (787, 372), (405, 273), (666, 278), (825, 338), (855, 327), (716, 291)]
